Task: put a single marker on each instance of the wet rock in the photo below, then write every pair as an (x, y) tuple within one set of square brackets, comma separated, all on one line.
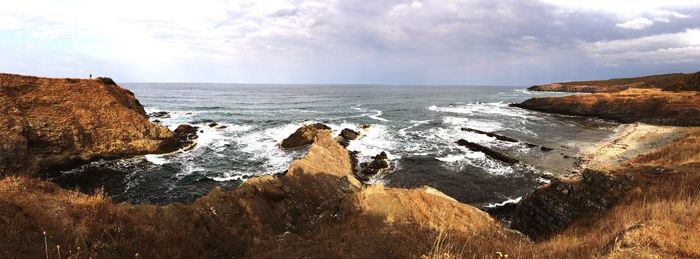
[(349, 134), (185, 136), (380, 163), (303, 136), (161, 114), (488, 151), (216, 125), (493, 135), (545, 149)]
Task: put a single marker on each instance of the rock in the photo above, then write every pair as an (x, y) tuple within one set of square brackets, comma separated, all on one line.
[(381, 156), (493, 135), (161, 114), (554, 206), (156, 121), (49, 124), (545, 149), (303, 136), (216, 126), (365, 126), (488, 151), (379, 164), (349, 134)]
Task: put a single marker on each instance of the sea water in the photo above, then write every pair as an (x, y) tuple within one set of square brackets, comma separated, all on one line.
[(417, 126)]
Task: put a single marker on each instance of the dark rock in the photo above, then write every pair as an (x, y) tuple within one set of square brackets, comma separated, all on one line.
[(488, 151), (502, 212), (216, 125), (365, 126), (162, 115), (545, 149), (349, 134), (553, 207), (157, 121), (381, 155), (379, 163), (303, 136), (493, 135), (185, 135)]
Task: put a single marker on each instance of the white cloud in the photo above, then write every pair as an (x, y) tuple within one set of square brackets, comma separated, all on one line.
[(636, 24), (681, 47)]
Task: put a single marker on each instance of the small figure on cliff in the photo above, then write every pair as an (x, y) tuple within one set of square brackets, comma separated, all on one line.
[(90, 76)]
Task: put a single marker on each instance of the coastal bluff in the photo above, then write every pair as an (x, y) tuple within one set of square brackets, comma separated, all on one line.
[(668, 99), (51, 123)]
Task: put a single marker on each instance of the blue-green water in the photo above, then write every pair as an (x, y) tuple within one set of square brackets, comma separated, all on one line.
[(416, 125)]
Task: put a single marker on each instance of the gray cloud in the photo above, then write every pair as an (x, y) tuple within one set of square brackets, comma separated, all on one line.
[(391, 41)]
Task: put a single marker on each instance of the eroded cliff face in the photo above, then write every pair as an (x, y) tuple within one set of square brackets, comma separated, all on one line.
[(633, 105), (52, 123)]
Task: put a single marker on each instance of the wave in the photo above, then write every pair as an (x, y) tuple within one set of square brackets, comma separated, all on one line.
[(402, 131), (508, 201), (374, 115), (498, 108)]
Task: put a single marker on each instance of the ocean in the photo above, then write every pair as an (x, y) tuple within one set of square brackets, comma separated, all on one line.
[(417, 126)]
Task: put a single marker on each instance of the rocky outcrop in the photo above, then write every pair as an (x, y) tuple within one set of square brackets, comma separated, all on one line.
[(58, 123), (379, 164), (671, 82), (634, 105), (349, 134), (488, 151), (346, 135), (553, 207), (303, 136)]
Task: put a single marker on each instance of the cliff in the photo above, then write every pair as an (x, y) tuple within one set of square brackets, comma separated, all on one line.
[(671, 82), (55, 123), (633, 105)]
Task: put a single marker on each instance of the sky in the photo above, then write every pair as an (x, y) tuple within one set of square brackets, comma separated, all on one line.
[(418, 42)]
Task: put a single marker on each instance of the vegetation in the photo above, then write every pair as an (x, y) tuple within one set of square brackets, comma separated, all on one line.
[(673, 82), (106, 80)]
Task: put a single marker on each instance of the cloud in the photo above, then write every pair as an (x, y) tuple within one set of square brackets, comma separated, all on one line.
[(350, 41), (681, 47), (636, 24)]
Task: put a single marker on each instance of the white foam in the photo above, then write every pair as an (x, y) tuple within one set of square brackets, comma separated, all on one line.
[(262, 146), (508, 201), (156, 159), (472, 123), (375, 140), (499, 108), (402, 131)]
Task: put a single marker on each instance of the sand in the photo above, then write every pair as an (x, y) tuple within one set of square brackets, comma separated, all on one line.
[(628, 143)]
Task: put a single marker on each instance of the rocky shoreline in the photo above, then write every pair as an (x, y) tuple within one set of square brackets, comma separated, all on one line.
[(319, 207)]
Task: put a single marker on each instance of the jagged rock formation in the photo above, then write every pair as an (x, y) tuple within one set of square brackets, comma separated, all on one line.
[(554, 206), (632, 105), (56, 123), (303, 136)]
